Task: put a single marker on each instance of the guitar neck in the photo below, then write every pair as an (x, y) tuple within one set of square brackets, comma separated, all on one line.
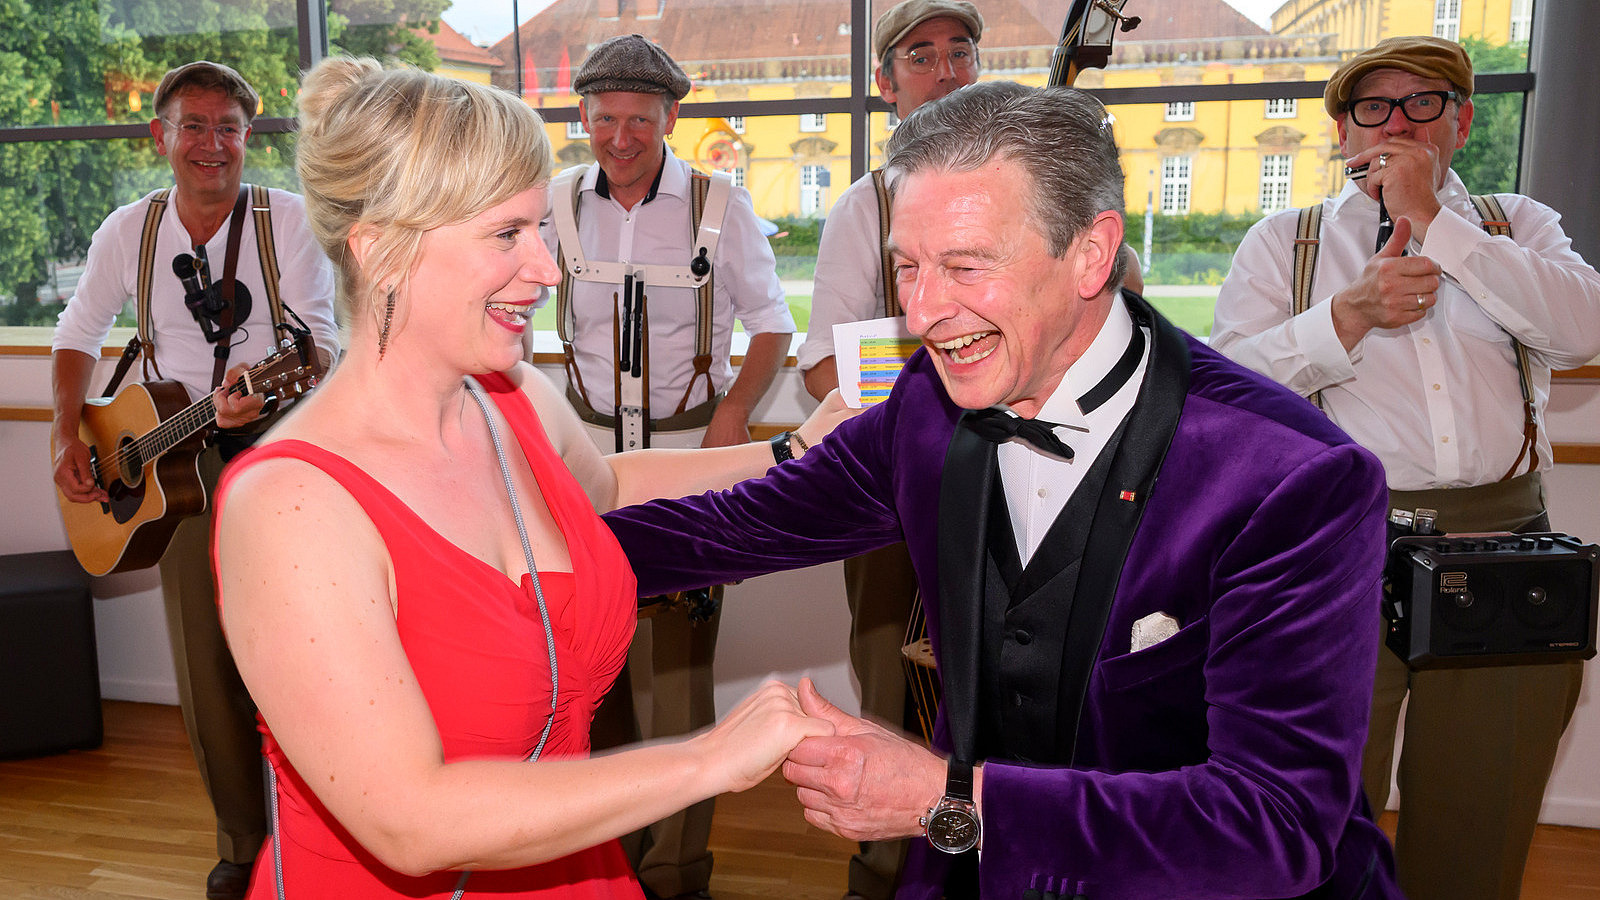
[(195, 418)]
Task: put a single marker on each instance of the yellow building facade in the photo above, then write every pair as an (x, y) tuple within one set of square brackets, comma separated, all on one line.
[(1234, 156)]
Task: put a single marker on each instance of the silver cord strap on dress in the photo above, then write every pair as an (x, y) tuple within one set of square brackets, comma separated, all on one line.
[(544, 618)]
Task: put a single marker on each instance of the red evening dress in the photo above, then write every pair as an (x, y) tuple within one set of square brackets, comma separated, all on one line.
[(477, 645)]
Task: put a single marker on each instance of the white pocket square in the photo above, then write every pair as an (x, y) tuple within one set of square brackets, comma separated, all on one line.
[(1152, 630)]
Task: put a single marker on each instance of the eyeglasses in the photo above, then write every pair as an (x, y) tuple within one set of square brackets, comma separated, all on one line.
[(923, 60), (195, 131), (1421, 107)]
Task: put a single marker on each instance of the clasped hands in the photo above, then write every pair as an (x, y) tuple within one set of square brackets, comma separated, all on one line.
[(853, 777)]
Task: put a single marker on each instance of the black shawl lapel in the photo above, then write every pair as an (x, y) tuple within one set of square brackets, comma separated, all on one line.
[(1146, 435), (964, 496)]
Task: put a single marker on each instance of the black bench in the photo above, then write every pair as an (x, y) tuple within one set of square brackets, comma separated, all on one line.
[(49, 674)]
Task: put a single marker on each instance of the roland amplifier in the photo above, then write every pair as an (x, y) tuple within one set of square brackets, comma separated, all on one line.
[(1491, 599)]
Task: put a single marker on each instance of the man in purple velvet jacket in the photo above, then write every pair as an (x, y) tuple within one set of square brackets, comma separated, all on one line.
[(1153, 629)]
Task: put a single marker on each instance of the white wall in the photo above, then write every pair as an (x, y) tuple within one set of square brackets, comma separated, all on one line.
[(788, 624)]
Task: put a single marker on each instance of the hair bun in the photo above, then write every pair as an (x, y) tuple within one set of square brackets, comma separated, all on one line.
[(324, 85)]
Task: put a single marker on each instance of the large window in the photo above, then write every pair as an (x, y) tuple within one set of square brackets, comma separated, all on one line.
[(1201, 102)]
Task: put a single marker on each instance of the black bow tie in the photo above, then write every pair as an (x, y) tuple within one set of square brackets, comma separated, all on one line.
[(1000, 426)]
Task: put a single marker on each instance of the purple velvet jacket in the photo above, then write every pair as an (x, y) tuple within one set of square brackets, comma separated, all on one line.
[(1222, 762)]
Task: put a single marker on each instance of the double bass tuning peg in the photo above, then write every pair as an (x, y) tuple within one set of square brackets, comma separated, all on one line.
[(1128, 23)]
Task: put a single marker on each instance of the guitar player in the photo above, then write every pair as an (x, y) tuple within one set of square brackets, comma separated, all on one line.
[(201, 334)]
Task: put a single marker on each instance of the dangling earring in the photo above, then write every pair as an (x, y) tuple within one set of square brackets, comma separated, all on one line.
[(388, 319)]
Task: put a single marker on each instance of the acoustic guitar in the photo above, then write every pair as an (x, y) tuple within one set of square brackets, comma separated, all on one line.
[(144, 447), (1085, 43)]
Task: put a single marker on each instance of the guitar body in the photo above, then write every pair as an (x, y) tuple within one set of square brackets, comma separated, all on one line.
[(148, 497)]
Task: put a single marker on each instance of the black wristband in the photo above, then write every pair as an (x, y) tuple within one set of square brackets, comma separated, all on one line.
[(781, 451)]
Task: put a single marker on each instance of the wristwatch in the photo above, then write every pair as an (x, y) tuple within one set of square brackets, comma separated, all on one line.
[(781, 451), (952, 824)]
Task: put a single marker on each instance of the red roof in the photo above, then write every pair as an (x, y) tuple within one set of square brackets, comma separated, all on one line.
[(453, 47)]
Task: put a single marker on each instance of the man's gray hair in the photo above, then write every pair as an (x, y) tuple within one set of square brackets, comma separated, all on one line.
[(1060, 136)]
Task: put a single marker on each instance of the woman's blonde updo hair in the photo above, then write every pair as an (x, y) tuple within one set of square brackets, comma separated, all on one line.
[(402, 151)]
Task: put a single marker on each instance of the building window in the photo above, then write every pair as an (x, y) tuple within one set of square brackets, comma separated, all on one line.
[(738, 175), (1521, 21), (736, 123), (813, 190), (1180, 111), (1174, 185), (814, 122), (1282, 107), (1276, 169), (575, 131), (1447, 19)]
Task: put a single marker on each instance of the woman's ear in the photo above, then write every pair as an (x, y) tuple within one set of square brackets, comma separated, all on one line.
[(360, 243)]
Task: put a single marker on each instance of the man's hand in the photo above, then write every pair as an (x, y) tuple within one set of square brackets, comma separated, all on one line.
[(1393, 291), (729, 426), (74, 473), (1407, 173), (233, 409), (863, 783)]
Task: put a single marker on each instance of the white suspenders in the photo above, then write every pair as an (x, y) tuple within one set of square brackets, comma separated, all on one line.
[(632, 352)]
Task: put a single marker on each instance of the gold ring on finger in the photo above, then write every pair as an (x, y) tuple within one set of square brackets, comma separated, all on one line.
[(1422, 302)]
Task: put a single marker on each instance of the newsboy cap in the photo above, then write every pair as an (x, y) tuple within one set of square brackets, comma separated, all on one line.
[(1424, 55), (897, 22), (630, 63), (203, 73)]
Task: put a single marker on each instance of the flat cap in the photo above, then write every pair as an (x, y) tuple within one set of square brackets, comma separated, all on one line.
[(1424, 55), (203, 73), (897, 22), (630, 63)]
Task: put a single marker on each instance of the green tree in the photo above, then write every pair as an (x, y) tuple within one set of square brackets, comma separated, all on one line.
[(1488, 163), (81, 62)]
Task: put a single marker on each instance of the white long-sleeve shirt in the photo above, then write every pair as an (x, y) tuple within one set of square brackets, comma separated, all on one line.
[(1439, 401), (111, 273), (659, 231), (849, 278)]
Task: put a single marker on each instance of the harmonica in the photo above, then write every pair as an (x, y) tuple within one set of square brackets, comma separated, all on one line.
[(1355, 173)]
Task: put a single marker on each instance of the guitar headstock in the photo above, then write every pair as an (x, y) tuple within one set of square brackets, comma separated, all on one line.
[(290, 371), (1086, 37)]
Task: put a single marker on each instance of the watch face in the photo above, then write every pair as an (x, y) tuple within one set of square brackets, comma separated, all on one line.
[(953, 830)]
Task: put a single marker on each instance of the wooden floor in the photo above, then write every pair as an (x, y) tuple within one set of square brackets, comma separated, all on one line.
[(131, 821)]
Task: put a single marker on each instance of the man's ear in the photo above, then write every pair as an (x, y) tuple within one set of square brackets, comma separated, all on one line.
[(1097, 251), (158, 133)]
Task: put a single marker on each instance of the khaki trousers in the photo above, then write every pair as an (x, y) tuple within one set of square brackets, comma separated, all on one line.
[(218, 713), (1478, 744)]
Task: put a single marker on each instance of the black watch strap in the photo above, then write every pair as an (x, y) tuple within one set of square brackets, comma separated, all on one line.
[(958, 781), (781, 451)]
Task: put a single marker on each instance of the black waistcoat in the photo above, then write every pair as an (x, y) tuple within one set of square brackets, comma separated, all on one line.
[(1024, 628)]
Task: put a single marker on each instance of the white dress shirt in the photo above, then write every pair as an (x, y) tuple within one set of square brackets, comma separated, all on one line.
[(110, 280), (659, 231), (1038, 484), (849, 278), (1439, 401)]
